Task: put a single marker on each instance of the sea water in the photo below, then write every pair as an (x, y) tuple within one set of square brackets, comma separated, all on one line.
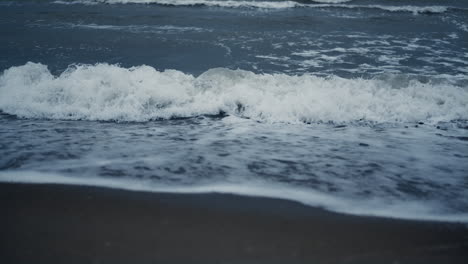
[(355, 106)]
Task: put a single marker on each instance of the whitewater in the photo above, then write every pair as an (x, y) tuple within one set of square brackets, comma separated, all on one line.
[(111, 93), (269, 4)]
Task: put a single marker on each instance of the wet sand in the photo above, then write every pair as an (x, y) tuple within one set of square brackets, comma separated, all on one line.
[(77, 224)]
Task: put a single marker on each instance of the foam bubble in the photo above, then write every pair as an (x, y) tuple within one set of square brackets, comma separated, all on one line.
[(110, 92)]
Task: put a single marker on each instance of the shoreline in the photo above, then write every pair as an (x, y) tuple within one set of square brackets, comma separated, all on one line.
[(50, 223), (259, 190)]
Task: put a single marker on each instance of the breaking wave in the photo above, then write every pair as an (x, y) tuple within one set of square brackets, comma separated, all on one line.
[(216, 3), (110, 92), (269, 4), (403, 8)]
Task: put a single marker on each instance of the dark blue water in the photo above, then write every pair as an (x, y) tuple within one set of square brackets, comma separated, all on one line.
[(355, 106)]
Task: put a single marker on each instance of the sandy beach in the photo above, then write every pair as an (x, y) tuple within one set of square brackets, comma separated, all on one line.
[(73, 224)]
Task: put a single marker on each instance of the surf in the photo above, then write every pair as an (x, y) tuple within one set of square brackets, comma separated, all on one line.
[(113, 93)]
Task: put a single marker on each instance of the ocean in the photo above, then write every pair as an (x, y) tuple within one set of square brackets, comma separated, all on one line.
[(354, 106)]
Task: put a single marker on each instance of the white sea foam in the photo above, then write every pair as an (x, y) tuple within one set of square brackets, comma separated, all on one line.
[(372, 207), (216, 3), (229, 3), (331, 1), (110, 92), (462, 26), (402, 8), (392, 60), (167, 29), (139, 28), (267, 4), (76, 2), (413, 9)]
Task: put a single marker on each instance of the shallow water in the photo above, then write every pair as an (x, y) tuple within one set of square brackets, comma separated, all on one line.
[(356, 106)]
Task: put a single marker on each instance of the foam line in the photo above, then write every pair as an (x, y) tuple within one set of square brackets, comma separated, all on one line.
[(401, 210)]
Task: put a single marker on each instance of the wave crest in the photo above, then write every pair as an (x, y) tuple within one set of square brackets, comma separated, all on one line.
[(110, 92), (269, 4)]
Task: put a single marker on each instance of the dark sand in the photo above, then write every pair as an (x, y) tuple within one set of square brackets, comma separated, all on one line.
[(72, 224)]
